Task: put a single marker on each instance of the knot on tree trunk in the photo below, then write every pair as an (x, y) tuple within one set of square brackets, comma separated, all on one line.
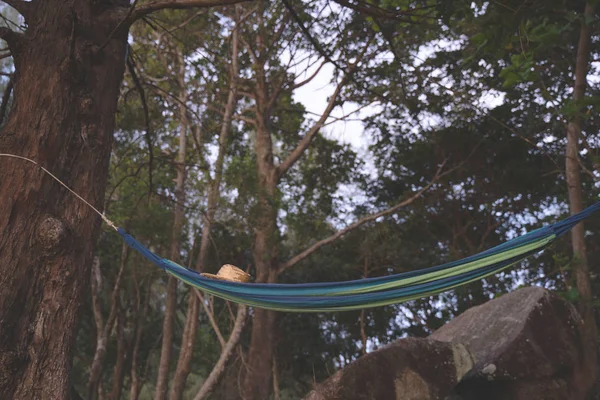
[(51, 233)]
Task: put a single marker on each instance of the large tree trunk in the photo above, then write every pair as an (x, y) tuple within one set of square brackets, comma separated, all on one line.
[(169, 318), (69, 65), (573, 175), (257, 381)]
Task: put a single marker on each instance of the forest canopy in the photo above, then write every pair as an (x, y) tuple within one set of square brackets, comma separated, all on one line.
[(302, 141)]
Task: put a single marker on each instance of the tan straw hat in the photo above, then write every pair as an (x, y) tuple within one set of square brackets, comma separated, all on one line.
[(231, 273)]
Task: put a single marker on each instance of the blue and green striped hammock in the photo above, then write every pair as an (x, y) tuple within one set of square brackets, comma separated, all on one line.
[(362, 293), (370, 292)]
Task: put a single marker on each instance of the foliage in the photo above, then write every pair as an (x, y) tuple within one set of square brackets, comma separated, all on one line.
[(482, 87)]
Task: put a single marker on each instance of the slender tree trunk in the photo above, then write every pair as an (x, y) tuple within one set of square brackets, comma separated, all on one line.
[(573, 175), (119, 370), (257, 381), (276, 390), (169, 318), (136, 382), (103, 331), (65, 96), (228, 349), (189, 334)]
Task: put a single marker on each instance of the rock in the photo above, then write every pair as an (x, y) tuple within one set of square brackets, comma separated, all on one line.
[(408, 369), (525, 345)]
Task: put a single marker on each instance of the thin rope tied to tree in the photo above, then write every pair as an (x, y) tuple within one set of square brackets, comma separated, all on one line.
[(104, 218), (231, 283)]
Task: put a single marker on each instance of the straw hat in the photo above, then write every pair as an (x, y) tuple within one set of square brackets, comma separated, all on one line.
[(231, 273)]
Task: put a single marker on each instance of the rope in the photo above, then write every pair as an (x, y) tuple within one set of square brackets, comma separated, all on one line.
[(104, 218)]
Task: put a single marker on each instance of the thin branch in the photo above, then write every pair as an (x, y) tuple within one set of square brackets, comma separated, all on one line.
[(104, 329), (305, 142), (230, 346), (378, 12), (587, 171), (247, 120), (251, 52), (333, 101), (177, 4), (140, 88), (211, 318), (310, 78), (301, 256), (309, 36)]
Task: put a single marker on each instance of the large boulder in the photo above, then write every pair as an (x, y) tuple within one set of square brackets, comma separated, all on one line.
[(525, 345), (408, 369)]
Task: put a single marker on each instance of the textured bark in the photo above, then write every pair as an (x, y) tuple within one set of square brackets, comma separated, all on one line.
[(189, 333), (573, 175), (169, 321), (65, 98), (68, 68)]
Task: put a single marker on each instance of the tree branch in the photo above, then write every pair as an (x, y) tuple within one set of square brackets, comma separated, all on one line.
[(305, 142), (148, 136), (301, 256), (309, 79), (379, 12), (230, 346), (211, 318), (177, 4)]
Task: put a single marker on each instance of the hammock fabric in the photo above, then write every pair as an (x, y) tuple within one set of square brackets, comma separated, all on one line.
[(370, 292), (362, 293)]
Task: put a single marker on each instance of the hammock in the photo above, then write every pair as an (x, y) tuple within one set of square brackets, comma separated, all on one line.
[(370, 292), (362, 293)]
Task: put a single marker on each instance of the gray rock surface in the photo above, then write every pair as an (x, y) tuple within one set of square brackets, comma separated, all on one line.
[(408, 369), (525, 345)]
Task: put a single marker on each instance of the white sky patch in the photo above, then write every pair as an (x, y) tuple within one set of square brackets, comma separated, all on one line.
[(315, 95), (491, 99), (430, 49)]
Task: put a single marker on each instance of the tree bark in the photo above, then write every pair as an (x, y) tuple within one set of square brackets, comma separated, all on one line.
[(65, 98), (573, 177), (169, 318), (69, 64)]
